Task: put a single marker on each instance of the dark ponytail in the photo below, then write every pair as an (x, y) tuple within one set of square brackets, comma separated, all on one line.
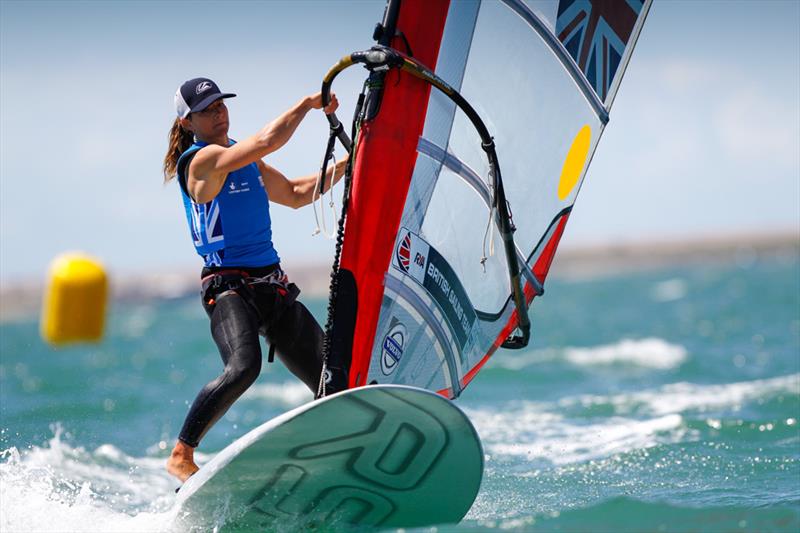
[(179, 141)]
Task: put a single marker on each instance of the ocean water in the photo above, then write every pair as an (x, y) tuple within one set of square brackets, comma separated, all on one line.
[(665, 400)]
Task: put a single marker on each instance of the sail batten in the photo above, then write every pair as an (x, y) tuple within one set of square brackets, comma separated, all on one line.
[(451, 162)]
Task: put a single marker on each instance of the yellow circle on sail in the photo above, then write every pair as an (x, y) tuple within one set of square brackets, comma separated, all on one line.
[(576, 159)]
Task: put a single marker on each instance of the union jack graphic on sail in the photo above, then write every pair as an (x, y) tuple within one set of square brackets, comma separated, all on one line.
[(595, 33), (403, 253)]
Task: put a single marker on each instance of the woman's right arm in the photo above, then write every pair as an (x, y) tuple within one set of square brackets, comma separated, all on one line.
[(211, 165)]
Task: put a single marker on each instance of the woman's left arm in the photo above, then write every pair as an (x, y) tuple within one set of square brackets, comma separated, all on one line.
[(297, 192)]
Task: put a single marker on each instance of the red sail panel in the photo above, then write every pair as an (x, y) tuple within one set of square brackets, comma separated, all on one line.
[(542, 266), (385, 160)]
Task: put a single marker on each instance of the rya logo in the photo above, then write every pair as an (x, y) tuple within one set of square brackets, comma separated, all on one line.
[(202, 87)]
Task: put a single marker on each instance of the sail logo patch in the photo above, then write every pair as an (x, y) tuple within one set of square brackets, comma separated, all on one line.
[(392, 348), (411, 254), (430, 269)]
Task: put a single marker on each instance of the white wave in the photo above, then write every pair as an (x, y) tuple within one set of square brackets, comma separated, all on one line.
[(650, 353), (542, 431), (669, 290), (573, 444), (529, 431), (61, 488), (523, 359), (138, 321), (682, 397), (287, 394)]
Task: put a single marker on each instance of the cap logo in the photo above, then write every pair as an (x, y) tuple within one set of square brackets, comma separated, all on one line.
[(202, 87)]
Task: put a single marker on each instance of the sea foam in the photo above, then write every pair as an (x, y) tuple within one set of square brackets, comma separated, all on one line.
[(669, 290), (288, 394), (61, 488), (684, 397), (566, 430), (548, 438), (651, 352)]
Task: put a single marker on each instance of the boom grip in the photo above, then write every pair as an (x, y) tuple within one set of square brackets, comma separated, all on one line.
[(333, 120)]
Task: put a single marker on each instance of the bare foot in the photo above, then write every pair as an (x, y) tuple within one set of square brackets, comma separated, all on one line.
[(181, 462)]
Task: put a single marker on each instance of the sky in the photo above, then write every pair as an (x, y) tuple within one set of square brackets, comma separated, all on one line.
[(704, 137)]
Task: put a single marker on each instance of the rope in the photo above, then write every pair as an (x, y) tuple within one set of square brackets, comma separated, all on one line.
[(334, 286), (319, 187)]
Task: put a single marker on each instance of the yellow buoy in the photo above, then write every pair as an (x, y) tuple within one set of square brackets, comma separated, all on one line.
[(74, 306)]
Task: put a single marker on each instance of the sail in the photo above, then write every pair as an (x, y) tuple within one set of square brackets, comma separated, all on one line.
[(425, 294)]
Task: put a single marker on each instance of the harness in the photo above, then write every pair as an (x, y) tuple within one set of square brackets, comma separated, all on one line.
[(268, 296)]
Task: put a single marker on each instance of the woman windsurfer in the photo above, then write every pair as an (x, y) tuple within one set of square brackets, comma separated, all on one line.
[(226, 190)]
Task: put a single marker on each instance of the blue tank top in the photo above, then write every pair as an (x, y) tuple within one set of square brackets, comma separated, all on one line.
[(233, 229)]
